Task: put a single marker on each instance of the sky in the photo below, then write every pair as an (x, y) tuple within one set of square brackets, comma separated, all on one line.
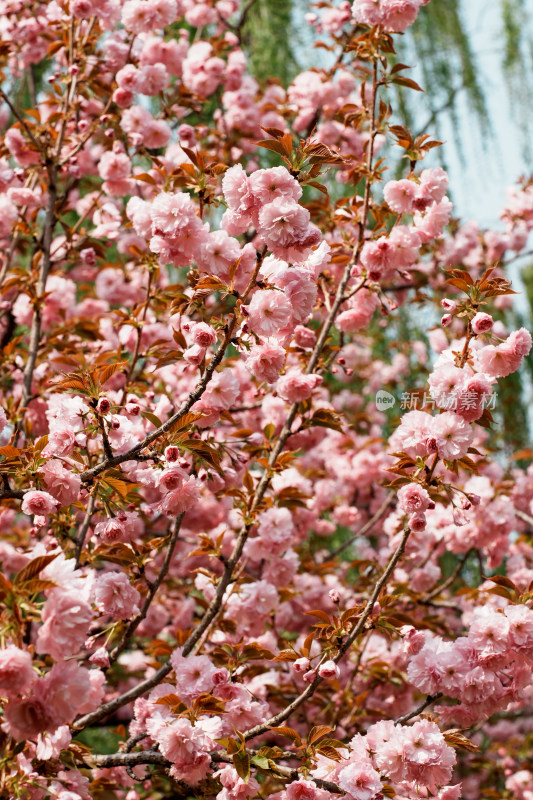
[(479, 183)]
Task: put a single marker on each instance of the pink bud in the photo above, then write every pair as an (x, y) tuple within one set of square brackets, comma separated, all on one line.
[(100, 657), (301, 665), (329, 671), (446, 320), (449, 305), (417, 521), (309, 676), (334, 595), (459, 517), (172, 453), (103, 405)]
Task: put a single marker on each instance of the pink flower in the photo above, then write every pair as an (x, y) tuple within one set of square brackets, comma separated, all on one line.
[(100, 658), (473, 396), (172, 212), (302, 790), (114, 595), (237, 190), (301, 291), (181, 499), (234, 787), (111, 530), (497, 361), (417, 521), (184, 745), (363, 305), (8, 215), (360, 780), (16, 670), (400, 195), (412, 498), (453, 435), (203, 334), (114, 166), (222, 391), (27, 718), (399, 14), (218, 253), (489, 632), (295, 386), (63, 484), (275, 531), (415, 433), (367, 12), (267, 185), (60, 443), (66, 617), (481, 323), (145, 16), (40, 503), (65, 689), (286, 230), (433, 184), (268, 312), (152, 79), (520, 342), (195, 675), (265, 361), (301, 665), (50, 745), (172, 478)]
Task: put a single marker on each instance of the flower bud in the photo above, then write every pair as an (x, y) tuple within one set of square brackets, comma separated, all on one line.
[(172, 453), (103, 405)]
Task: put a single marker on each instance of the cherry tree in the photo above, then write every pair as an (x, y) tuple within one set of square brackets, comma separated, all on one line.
[(261, 533)]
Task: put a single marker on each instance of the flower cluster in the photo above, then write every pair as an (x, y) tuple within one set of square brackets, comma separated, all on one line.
[(214, 543)]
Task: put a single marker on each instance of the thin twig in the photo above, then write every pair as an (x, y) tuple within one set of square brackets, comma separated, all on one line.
[(427, 702), (84, 527), (136, 621), (366, 527), (350, 639), (35, 333)]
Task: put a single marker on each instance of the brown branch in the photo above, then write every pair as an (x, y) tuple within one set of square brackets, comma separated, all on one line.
[(366, 527), (350, 639), (525, 517), (84, 527), (195, 395), (448, 582), (136, 621), (35, 333), (427, 702), (21, 120), (154, 757)]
